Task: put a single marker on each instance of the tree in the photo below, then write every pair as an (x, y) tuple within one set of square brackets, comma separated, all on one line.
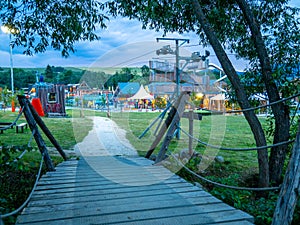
[(22, 78), (94, 79), (54, 23), (238, 26), (145, 71), (67, 76), (124, 75), (49, 74)]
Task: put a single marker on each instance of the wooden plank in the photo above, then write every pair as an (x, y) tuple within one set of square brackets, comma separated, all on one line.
[(115, 215), (204, 203), (93, 195), (195, 116), (83, 196), (111, 193), (119, 213), (71, 182)]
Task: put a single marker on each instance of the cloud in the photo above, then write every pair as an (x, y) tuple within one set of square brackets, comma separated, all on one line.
[(123, 43)]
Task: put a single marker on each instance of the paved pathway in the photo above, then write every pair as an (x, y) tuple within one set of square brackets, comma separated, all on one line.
[(110, 184)]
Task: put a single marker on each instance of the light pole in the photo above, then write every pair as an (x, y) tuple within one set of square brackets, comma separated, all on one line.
[(168, 50), (10, 31)]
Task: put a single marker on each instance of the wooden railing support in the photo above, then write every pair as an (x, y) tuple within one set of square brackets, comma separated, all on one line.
[(164, 127), (191, 131), (290, 190), (45, 129), (173, 126), (34, 129)]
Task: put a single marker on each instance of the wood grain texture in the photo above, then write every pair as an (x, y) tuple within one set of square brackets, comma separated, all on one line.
[(118, 191)]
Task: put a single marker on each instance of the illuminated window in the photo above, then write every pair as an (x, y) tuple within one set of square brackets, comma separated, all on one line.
[(52, 98)]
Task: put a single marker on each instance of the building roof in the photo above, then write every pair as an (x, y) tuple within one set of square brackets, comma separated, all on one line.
[(128, 88)]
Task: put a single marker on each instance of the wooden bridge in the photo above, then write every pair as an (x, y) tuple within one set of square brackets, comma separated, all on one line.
[(121, 190), (102, 188)]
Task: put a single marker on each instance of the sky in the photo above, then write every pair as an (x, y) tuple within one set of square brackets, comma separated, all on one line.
[(123, 44)]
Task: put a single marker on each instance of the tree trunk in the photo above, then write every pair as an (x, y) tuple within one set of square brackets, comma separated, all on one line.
[(290, 190), (240, 93), (281, 114)]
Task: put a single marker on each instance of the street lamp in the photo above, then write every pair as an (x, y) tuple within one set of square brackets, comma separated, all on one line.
[(10, 31)]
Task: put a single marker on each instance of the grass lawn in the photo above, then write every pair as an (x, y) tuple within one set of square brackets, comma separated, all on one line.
[(226, 131), (220, 130)]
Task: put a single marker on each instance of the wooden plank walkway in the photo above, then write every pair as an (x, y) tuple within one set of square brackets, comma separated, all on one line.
[(123, 190)]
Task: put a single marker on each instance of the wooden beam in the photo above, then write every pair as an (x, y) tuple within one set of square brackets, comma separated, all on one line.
[(164, 127), (45, 129), (34, 129), (191, 131), (173, 126), (290, 190)]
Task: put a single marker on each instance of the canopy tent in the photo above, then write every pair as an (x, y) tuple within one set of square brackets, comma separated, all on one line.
[(141, 94), (218, 97), (217, 102)]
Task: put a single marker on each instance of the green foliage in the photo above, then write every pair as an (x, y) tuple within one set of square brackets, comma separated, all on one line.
[(145, 71), (261, 208), (22, 78), (9, 158), (58, 24), (125, 75), (62, 75), (12, 171), (94, 79), (160, 102), (49, 74)]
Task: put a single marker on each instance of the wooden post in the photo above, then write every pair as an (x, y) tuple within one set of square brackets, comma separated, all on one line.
[(34, 129), (290, 189), (164, 127), (45, 129), (173, 126), (191, 131)]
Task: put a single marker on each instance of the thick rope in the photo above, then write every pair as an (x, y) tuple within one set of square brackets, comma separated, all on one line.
[(25, 151), (31, 138), (264, 106), (13, 123), (29, 197), (295, 113), (223, 185), (235, 149), (20, 156)]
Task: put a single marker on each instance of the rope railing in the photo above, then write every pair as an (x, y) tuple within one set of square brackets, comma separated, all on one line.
[(24, 152), (264, 106), (14, 122), (295, 113), (30, 139), (231, 149), (222, 185), (235, 149), (30, 195)]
